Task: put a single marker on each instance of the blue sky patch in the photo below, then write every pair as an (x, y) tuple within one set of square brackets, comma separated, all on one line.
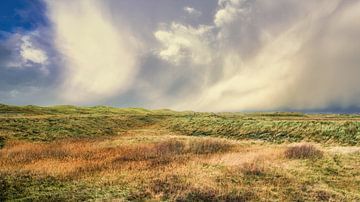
[(22, 15)]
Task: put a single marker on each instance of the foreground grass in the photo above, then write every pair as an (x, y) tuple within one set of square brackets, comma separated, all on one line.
[(175, 169), (80, 154)]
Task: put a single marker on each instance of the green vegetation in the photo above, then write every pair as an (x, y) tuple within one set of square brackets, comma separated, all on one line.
[(67, 153), (7, 110), (57, 127), (30, 187), (332, 130)]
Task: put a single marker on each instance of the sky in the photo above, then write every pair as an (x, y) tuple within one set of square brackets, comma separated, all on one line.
[(213, 55)]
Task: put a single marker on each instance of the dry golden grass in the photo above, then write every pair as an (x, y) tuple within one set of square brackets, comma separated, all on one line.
[(247, 154)]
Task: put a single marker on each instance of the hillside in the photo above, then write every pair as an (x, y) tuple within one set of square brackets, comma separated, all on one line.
[(51, 123)]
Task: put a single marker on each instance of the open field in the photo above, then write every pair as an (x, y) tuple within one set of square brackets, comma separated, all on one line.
[(67, 153)]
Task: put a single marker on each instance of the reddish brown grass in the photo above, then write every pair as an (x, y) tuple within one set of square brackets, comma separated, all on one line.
[(77, 158)]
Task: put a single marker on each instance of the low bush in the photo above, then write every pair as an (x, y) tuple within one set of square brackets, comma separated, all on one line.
[(2, 142), (169, 185), (170, 147), (209, 146), (253, 168), (303, 151), (216, 195), (167, 151), (148, 152)]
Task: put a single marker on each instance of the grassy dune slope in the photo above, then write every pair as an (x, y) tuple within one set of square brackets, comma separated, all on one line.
[(336, 130), (67, 153)]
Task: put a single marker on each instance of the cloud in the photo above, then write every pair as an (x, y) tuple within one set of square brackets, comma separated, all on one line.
[(100, 58), (331, 63), (24, 50), (269, 58), (228, 11), (192, 11), (29, 53), (181, 42)]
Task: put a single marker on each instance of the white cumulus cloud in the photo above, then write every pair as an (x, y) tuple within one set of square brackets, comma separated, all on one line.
[(181, 42), (192, 11), (26, 52), (29, 53)]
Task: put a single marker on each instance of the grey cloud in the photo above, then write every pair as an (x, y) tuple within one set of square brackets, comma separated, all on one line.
[(5, 54), (331, 69)]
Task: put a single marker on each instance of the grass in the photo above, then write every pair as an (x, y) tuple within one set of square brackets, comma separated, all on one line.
[(67, 153)]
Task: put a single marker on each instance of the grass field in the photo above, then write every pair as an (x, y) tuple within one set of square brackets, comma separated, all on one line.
[(67, 153)]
